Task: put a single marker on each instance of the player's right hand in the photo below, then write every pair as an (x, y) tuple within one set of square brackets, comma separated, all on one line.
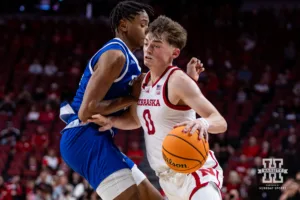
[(104, 122)]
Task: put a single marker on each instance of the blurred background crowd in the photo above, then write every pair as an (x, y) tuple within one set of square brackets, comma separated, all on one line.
[(250, 50)]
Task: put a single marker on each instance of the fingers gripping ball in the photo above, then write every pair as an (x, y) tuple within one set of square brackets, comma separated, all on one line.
[(184, 153)]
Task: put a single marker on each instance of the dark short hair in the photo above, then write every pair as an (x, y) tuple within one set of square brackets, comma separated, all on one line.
[(175, 34), (127, 10)]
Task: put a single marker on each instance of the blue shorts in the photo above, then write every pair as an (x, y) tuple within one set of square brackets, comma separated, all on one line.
[(91, 153)]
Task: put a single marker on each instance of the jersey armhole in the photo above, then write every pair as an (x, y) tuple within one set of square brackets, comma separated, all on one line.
[(165, 95), (112, 46)]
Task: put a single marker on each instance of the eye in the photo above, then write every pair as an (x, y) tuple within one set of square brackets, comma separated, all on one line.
[(157, 46)]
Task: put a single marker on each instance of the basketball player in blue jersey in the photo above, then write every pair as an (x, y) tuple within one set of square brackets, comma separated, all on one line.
[(107, 77)]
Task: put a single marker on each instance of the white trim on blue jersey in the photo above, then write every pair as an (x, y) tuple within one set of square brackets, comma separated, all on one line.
[(127, 58)]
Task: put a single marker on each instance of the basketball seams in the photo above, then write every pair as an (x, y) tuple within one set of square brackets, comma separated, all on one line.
[(180, 156), (188, 143)]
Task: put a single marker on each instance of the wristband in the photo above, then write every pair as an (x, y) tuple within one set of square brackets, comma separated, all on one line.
[(205, 122)]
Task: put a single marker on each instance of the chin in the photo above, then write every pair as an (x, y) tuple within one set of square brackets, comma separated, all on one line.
[(147, 64)]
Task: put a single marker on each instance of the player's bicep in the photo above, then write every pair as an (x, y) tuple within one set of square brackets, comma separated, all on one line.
[(107, 70), (189, 92)]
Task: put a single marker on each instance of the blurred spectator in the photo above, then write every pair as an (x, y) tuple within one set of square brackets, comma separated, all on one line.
[(24, 144), (78, 185), (222, 153), (78, 51), (24, 97), (64, 167), (229, 81), (248, 42), (253, 172), (243, 165), (39, 94), (213, 83), (14, 187), (4, 192), (282, 79), (209, 58), (234, 181), (44, 178), (33, 164), (233, 195), (7, 106), (244, 74), (61, 188), (29, 190), (252, 149), (51, 160), (280, 108), (9, 135), (296, 89), (54, 94), (75, 69), (50, 68), (47, 115), (67, 193), (36, 67), (265, 150), (33, 114), (135, 153), (22, 65), (40, 140), (241, 96), (262, 87)]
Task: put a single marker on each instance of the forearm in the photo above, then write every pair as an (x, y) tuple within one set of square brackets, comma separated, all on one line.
[(125, 122), (217, 124), (107, 107)]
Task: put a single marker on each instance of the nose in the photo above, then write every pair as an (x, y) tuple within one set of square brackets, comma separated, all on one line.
[(148, 49)]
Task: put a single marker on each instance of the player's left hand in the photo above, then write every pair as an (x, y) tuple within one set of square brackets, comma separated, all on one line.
[(137, 86), (194, 68), (191, 127), (104, 122)]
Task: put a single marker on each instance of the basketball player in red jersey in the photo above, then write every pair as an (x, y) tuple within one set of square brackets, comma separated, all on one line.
[(170, 98)]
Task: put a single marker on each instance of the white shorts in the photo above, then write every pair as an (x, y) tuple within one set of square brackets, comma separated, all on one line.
[(118, 182), (179, 186)]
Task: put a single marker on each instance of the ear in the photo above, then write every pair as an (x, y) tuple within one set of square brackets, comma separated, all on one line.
[(176, 53), (123, 25)]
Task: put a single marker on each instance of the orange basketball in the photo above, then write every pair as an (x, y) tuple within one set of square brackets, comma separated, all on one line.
[(184, 153)]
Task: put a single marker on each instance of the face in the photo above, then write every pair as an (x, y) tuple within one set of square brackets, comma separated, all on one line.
[(135, 29), (158, 52)]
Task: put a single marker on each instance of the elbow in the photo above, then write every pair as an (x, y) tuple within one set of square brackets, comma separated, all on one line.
[(224, 126), (82, 115)]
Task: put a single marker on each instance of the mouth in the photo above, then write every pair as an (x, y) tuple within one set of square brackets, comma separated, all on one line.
[(147, 58)]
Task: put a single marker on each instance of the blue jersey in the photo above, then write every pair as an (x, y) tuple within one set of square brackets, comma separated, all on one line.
[(87, 151), (119, 88)]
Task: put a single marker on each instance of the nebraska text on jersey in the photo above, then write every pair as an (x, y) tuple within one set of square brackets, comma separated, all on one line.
[(148, 102)]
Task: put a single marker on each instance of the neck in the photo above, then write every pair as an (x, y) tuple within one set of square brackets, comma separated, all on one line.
[(156, 72), (130, 46)]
